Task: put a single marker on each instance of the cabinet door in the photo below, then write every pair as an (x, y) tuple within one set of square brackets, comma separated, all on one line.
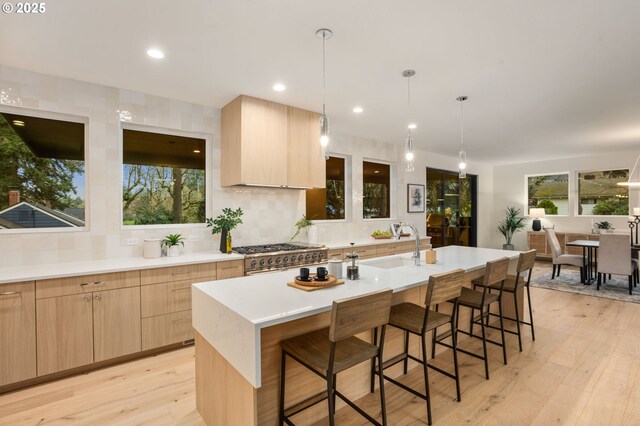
[(17, 332), (116, 323), (230, 269), (166, 329), (263, 142), (65, 332), (305, 164), (538, 241), (165, 298)]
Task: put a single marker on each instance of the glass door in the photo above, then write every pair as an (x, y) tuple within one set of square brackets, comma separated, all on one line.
[(451, 208)]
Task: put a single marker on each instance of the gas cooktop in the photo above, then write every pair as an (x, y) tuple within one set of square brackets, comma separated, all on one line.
[(270, 248)]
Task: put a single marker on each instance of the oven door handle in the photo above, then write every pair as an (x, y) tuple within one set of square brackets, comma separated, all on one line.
[(250, 273)]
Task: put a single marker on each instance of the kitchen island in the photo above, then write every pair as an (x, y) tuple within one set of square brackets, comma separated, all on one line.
[(239, 324)]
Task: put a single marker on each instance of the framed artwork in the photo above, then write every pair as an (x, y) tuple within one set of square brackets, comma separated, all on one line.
[(415, 198)]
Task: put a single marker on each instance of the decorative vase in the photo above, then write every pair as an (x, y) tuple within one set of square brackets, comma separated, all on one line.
[(508, 247), (173, 251), (223, 240), (312, 234)]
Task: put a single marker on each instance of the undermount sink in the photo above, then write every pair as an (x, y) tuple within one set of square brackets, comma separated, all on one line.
[(395, 262)]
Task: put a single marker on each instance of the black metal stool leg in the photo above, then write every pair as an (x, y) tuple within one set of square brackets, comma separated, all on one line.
[(454, 344), (374, 338), (504, 342), (533, 334), (515, 303), (283, 369), (406, 352), (331, 399), (426, 378), (383, 405), (484, 346)]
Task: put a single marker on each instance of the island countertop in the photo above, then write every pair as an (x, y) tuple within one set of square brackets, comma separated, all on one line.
[(230, 313)]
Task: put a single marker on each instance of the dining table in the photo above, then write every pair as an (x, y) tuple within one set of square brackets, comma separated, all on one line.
[(590, 256)]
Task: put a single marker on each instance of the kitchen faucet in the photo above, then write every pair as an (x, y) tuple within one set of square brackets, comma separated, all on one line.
[(396, 228)]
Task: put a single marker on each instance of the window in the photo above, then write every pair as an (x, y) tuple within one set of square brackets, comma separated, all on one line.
[(42, 173), (329, 203), (376, 186), (550, 192), (163, 179), (599, 193)]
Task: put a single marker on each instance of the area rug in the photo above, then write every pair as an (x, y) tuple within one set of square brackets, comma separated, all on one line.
[(616, 288)]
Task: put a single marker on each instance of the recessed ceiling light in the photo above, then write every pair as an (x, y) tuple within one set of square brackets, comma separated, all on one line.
[(412, 126), (358, 109), (376, 171), (196, 151), (155, 53), (19, 123), (279, 87)]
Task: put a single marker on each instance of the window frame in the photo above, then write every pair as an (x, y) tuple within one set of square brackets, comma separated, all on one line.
[(347, 190), (72, 118), (208, 174), (576, 207), (570, 192), (393, 183)]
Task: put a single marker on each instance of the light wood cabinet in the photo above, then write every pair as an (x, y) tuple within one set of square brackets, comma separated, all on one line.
[(538, 240), (17, 332), (160, 299), (163, 330), (230, 269), (116, 323), (65, 332), (86, 284), (270, 144), (193, 272)]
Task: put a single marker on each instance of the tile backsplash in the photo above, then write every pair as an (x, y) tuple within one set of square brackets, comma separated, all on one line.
[(269, 213)]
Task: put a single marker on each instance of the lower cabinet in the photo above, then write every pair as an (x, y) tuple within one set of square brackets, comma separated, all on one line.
[(17, 332), (80, 329), (166, 329)]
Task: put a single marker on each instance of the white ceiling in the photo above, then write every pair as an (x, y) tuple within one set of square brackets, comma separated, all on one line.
[(546, 78)]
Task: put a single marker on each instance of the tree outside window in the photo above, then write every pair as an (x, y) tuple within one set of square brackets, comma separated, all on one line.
[(376, 189), (550, 192), (600, 195), (328, 203)]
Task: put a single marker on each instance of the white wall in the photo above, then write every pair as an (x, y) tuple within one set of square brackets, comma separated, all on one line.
[(269, 213), (509, 190)]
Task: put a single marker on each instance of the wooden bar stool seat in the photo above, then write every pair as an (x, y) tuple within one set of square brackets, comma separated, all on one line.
[(526, 261), (314, 350), (329, 351), (495, 273), (419, 320)]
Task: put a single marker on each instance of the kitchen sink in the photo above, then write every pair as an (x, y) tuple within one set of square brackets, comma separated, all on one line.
[(395, 262)]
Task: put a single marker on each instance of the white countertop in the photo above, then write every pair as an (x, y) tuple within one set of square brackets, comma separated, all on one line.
[(230, 313), (69, 269), (366, 241)]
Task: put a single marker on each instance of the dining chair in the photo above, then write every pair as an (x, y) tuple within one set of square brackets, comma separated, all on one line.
[(614, 258), (327, 352), (559, 258)]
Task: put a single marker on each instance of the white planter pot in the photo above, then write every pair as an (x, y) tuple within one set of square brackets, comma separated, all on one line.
[(173, 251), (312, 234)]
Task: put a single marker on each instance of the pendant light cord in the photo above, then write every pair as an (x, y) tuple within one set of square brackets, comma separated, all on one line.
[(408, 106), (324, 74), (462, 125)]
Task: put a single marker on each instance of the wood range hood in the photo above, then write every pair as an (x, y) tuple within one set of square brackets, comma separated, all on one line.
[(267, 144)]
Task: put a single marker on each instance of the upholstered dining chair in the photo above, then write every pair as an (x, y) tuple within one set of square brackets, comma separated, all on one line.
[(614, 258), (560, 258)]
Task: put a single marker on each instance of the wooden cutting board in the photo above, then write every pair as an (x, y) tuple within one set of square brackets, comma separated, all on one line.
[(295, 284)]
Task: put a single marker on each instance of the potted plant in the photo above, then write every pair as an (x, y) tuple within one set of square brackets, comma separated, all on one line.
[(224, 223), (604, 227), (171, 242), (305, 223), (510, 225)]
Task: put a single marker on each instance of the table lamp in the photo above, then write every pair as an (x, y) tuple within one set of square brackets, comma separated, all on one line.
[(536, 214)]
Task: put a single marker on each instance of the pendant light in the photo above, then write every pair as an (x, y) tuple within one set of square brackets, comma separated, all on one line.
[(408, 149), (632, 183), (325, 34), (462, 155)]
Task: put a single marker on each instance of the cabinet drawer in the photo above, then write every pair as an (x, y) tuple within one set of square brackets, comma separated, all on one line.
[(387, 249), (166, 329), (334, 253), (178, 273), (86, 284), (165, 298), (364, 252), (230, 269), (424, 244)]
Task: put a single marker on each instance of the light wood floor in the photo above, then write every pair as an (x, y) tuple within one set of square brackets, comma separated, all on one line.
[(583, 369)]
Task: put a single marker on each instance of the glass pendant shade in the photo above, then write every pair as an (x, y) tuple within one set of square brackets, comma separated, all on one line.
[(409, 155), (324, 131)]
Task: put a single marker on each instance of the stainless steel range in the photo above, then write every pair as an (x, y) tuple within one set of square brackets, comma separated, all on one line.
[(276, 257)]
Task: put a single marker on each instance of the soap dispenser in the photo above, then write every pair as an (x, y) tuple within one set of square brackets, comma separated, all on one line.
[(352, 270)]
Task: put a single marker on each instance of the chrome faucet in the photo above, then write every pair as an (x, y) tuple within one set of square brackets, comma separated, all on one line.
[(396, 229)]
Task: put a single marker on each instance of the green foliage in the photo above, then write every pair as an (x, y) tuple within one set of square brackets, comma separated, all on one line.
[(548, 206), (511, 223), (375, 201), (302, 223), (335, 199), (46, 181), (611, 207), (228, 220), (379, 232), (604, 225), (172, 240)]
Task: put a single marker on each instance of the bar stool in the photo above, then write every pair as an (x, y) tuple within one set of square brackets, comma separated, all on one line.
[(495, 272), (526, 261), (418, 320), (327, 352)]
